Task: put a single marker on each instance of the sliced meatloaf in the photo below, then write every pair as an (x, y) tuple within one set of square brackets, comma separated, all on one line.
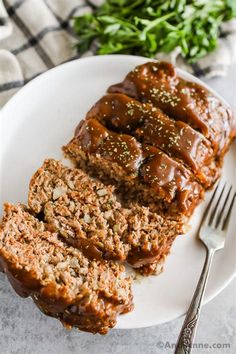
[(87, 215), (159, 84), (139, 168), (150, 125), (158, 136), (63, 283)]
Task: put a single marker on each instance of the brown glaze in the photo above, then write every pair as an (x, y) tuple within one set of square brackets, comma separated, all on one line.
[(137, 83), (189, 102), (156, 83), (91, 135), (119, 112), (167, 178), (151, 126), (178, 140), (23, 282), (216, 116), (124, 150), (170, 179), (119, 148)]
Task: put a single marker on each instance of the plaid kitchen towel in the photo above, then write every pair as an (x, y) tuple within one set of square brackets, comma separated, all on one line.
[(36, 35)]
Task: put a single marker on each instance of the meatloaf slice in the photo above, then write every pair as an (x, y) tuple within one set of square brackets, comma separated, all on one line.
[(84, 210), (159, 84), (141, 168), (62, 282), (87, 215)]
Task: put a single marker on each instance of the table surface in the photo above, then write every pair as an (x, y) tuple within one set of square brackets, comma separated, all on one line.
[(24, 330)]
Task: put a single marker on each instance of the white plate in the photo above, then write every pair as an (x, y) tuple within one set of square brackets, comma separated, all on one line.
[(42, 117)]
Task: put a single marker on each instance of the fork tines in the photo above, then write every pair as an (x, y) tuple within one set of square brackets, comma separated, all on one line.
[(220, 206)]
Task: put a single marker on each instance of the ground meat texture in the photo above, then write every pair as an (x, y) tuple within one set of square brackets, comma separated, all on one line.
[(62, 282), (88, 216)]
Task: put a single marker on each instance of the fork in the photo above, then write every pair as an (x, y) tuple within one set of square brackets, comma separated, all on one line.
[(212, 233)]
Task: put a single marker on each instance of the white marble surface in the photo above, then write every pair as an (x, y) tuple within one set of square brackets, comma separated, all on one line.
[(24, 330)]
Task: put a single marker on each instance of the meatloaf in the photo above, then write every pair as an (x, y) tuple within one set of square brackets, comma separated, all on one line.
[(87, 215), (158, 136), (61, 280), (159, 84)]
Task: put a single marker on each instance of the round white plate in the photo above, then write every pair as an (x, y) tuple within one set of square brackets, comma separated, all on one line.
[(42, 117)]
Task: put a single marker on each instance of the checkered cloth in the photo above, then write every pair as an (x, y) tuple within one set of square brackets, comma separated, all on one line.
[(36, 35)]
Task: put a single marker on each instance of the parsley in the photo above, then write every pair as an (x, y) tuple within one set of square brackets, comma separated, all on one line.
[(146, 27)]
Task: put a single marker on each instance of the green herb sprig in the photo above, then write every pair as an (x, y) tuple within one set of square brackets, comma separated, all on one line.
[(146, 27)]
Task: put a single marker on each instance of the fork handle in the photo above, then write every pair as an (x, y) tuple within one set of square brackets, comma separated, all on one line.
[(187, 334)]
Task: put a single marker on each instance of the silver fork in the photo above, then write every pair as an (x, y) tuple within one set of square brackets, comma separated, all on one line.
[(212, 233)]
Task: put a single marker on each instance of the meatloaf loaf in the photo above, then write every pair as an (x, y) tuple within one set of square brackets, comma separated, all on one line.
[(61, 280), (87, 215), (159, 136)]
